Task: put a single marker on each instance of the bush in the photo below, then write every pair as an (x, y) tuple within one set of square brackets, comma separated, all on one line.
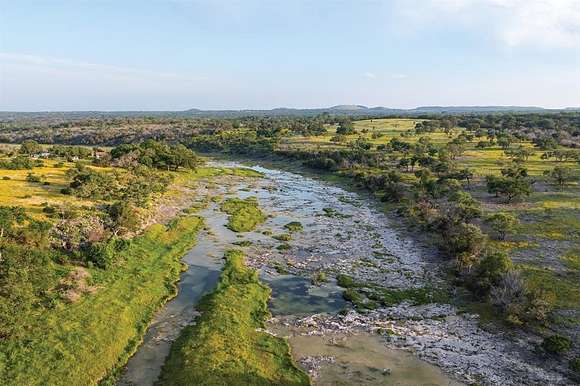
[(575, 365), (345, 281), (556, 344), (33, 178), (491, 269), (294, 226), (105, 254)]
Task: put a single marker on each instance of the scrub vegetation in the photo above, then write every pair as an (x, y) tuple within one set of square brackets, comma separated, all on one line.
[(226, 345)]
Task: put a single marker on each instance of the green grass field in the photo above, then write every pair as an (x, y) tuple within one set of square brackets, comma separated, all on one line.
[(17, 191), (226, 346)]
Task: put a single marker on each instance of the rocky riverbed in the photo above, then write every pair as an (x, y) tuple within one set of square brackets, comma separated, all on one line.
[(345, 233)]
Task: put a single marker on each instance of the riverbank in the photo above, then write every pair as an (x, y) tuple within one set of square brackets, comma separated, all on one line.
[(81, 343), (227, 344)]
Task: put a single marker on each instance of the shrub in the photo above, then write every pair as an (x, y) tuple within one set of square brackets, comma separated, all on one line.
[(283, 237), (31, 177), (556, 344), (575, 365), (294, 226), (345, 281), (319, 278), (283, 247), (352, 295), (510, 296)]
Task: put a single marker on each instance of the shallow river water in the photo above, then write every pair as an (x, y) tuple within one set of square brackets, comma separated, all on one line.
[(343, 232)]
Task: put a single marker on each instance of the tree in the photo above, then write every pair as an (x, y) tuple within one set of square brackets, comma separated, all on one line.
[(361, 144), (155, 154), (464, 241), (513, 188), (346, 128), (502, 223), (491, 269), (124, 217), (464, 207), (561, 175), (30, 147), (519, 154), (510, 187)]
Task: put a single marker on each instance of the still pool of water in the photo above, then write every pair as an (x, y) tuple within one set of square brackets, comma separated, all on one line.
[(363, 359), (295, 295)]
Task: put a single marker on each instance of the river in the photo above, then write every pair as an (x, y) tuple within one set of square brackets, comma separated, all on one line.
[(344, 232)]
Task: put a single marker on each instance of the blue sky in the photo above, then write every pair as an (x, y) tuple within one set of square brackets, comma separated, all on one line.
[(173, 55)]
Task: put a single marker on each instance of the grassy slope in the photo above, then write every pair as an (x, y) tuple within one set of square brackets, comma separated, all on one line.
[(78, 344), (245, 215), (224, 347)]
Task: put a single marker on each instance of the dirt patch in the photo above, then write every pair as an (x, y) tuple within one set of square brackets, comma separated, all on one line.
[(74, 285)]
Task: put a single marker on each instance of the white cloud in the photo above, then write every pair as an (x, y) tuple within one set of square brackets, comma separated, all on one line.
[(61, 64), (547, 23), (370, 75)]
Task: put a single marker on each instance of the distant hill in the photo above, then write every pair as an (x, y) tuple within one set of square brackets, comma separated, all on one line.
[(477, 109), (351, 110)]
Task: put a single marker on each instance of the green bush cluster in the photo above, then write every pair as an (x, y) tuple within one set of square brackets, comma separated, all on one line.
[(244, 214)]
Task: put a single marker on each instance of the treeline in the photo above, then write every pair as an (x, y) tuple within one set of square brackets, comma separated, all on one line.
[(549, 129)]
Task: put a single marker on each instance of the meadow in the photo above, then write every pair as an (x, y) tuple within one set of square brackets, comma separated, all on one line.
[(16, 190)]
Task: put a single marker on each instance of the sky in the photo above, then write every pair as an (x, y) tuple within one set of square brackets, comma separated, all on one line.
[(62, 55)]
